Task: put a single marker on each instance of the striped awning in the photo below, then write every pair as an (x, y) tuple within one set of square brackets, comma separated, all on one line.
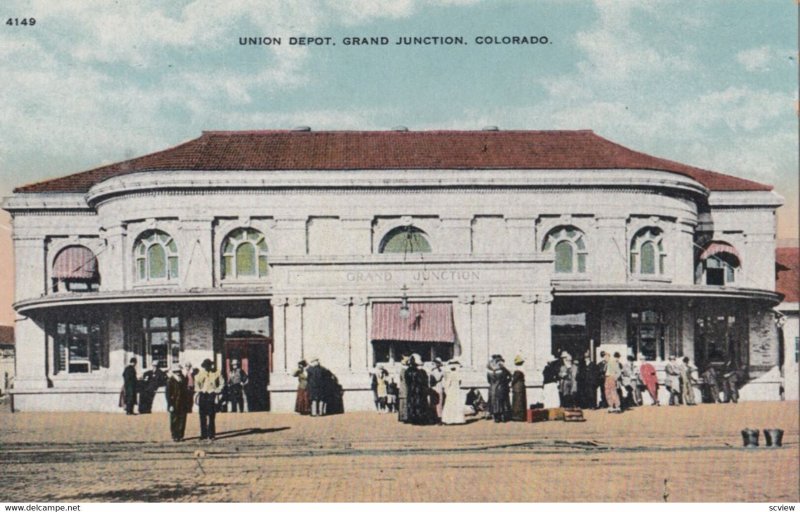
[(430, 322), (714, 248), (75, 262)]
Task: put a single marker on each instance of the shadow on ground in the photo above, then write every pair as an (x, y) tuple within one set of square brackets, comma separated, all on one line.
[(157, 493), (242, 432)]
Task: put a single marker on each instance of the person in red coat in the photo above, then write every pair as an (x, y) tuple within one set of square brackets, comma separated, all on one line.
[(648, 375)]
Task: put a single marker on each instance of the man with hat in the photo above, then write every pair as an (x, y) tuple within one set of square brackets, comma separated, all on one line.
[(152, 379), (179, 400), (567, 381), (402, 391), (316, 387), (237, 380), (672, 381), (208, 384), (519, 398), (129, 386)]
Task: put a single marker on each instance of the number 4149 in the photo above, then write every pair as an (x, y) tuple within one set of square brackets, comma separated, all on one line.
[(21, 21)]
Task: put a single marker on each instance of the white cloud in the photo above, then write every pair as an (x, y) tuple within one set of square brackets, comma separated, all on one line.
[(763, 58)]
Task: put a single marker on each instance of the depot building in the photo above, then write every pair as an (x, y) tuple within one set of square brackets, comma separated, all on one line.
[(360, 247)]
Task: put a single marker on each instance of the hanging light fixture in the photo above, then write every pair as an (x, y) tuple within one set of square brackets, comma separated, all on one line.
[(404, 310)]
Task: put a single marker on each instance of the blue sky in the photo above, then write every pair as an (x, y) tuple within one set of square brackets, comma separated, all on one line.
[(711, 83)]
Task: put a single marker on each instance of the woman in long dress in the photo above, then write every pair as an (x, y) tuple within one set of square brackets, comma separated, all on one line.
[(519, 400), (453, 411), (418, 390), (302, 405), (402, 392), (687, 382)]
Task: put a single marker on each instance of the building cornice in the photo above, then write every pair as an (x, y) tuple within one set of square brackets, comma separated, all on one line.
[(392, 179), (564, 289), (745, 199)]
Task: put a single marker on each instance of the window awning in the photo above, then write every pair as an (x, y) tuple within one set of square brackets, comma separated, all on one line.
[(714, 248), (430, 322), (75, 262)]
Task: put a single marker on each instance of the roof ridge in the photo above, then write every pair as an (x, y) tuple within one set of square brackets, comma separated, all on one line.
[(271, 150)]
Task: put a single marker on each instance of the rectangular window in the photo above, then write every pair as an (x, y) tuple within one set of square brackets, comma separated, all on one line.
[(797, 349), (162, 339), (646, 334), (245, 327), (78, 347), (384, 351)]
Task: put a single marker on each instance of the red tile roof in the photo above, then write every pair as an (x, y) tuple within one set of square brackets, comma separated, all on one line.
[(338, 150), (787, 281)]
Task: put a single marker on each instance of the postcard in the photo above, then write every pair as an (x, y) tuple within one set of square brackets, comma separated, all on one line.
[(444, 251)]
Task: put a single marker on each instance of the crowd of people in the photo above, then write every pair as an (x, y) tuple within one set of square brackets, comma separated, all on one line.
[(432, 396), (185, 387), (618, 384)]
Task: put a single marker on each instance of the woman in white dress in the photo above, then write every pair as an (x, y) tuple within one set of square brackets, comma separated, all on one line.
[(453, 411)]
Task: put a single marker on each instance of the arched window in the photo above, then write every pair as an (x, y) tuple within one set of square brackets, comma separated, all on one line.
[(244, 254), (405, 239), (75, 270), (156, 255), (648, 256), (719, 262), (569, 249)]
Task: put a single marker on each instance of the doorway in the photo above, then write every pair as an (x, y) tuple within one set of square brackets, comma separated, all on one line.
[(253, 356), (247, 338)]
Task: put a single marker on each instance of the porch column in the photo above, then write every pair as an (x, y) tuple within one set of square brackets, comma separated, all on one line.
[(31, 355), (462, 317), (480, 334), (294, 331), (359, 335), (279, 335), (542, 342), (117, 357)]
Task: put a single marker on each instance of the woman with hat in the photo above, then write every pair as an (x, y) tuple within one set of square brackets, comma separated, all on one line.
[(179, 402), (453, 411), (519, 398), (499, 380), (567, 381), (417, 382), (302, 405), (437, 389)]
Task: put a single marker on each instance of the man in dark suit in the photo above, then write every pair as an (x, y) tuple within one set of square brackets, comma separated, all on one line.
[(151, 380), (316, 387), (179, 400), (129, 385)]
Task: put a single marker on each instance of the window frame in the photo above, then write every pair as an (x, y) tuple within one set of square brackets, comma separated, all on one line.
[(409, 231), (142, 262), (648, 235), (636, 321), (95, 346), (173, 328), (229, 255), (575, 239)]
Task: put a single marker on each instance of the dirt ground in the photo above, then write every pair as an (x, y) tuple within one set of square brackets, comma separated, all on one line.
[(683, 453)]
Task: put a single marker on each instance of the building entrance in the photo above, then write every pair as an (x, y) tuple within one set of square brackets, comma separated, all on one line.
[(247, 338), (253, 356), (569, 334)]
